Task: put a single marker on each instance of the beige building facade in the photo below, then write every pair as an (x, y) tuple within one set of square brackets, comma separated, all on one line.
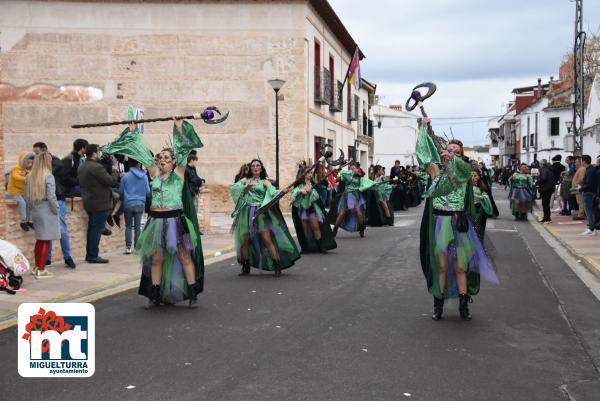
[(174, 57)]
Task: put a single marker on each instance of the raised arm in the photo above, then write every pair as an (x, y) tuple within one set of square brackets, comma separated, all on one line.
[(185, 140)]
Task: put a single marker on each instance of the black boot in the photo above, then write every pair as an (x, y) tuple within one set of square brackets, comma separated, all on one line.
[(154, 296), (362, 232), (438, 308), (335, 231), (320, 246), (193, 296), (277, 268), (245, 268), (463, 306)]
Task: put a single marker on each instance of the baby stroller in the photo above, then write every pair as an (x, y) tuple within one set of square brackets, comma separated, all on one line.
[(13, 264)]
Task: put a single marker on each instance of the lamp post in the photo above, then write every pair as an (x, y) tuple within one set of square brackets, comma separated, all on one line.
[(276, 84)]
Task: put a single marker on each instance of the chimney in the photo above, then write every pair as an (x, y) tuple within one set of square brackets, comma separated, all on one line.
[(550, 85), (539, 89), (397, 107)]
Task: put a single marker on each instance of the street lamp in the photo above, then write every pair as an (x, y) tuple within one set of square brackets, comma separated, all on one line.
[(276, 84), (569, 125)]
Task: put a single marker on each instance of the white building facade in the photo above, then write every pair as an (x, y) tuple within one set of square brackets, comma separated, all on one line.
[(396, 138), (543, 131)]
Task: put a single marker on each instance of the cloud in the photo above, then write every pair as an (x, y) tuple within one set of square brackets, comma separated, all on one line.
[(476, 51)]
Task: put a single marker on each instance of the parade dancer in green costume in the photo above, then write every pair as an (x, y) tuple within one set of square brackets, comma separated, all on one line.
[(483, 204), (521, 192), (452, 256), (169, 245), (312, 230), (379, 208), (263, 242), (352, 202)]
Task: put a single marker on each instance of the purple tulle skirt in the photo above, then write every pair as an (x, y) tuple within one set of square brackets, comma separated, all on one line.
[(462, 248)]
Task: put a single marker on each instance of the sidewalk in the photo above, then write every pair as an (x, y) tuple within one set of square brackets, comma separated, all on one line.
[(92, 281), (89, 282), (568, 232)]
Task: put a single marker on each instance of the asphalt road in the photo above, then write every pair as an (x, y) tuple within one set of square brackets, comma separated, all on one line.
[(351, 325)]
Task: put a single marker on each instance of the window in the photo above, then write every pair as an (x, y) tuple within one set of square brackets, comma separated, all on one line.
[(317, 70), (532, 140), (554, 126), (524, 142), (349, 102)]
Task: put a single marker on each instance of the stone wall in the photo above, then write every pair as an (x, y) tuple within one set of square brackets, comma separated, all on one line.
[(215, 54), (77, 226)]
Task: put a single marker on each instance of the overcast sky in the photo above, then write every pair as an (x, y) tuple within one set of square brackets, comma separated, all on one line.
[(476, 51)]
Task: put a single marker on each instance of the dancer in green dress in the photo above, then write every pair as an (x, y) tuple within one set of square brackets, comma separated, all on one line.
[(521, 193), (352, 202), (262, 241), (452, 256), (312, 230), (169, 245), (483, 205)]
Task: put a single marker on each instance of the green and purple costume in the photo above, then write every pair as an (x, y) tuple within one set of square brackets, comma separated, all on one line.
[(173, 231), (446, 227), (353, 200), (521, 195), (375, 196), (307, 207), (483, 209), (247, 201)]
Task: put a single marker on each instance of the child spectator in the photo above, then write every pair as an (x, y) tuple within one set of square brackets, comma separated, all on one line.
[(133, 191), (15, 189)]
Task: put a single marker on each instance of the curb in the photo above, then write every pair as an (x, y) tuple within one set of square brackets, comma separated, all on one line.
[(591, 265), (115, 287)]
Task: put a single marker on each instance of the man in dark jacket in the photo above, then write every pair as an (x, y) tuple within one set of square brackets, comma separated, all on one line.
[(193, 179), (70, 165), (96, 190), (557, 169), (590, 186), (546, 185)]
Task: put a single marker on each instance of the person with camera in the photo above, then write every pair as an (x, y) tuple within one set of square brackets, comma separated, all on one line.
[(96, 190)]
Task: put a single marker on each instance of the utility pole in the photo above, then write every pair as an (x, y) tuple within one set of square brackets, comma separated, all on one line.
[(578, 78)]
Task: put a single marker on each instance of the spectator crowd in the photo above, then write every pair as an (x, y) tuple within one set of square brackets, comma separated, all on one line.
[(110, 186)]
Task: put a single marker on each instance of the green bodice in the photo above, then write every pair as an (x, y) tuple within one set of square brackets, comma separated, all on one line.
[(454, 200), (449, 187), (167, 194), (522, 181), (257, 195), (355, 183), (302, 200)]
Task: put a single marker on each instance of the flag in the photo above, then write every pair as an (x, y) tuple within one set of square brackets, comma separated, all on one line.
[(354, 70)]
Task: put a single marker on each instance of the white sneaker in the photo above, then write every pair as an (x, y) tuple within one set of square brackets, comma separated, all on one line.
[(34, 271), (43, 274), (128, 251), (588, 233)]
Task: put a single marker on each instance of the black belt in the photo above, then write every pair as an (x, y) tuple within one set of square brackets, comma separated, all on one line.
[(439, 212), (165, 214)]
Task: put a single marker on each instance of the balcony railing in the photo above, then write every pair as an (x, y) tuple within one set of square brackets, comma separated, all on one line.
[(322, 86), (337, 101), (353, 108)]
